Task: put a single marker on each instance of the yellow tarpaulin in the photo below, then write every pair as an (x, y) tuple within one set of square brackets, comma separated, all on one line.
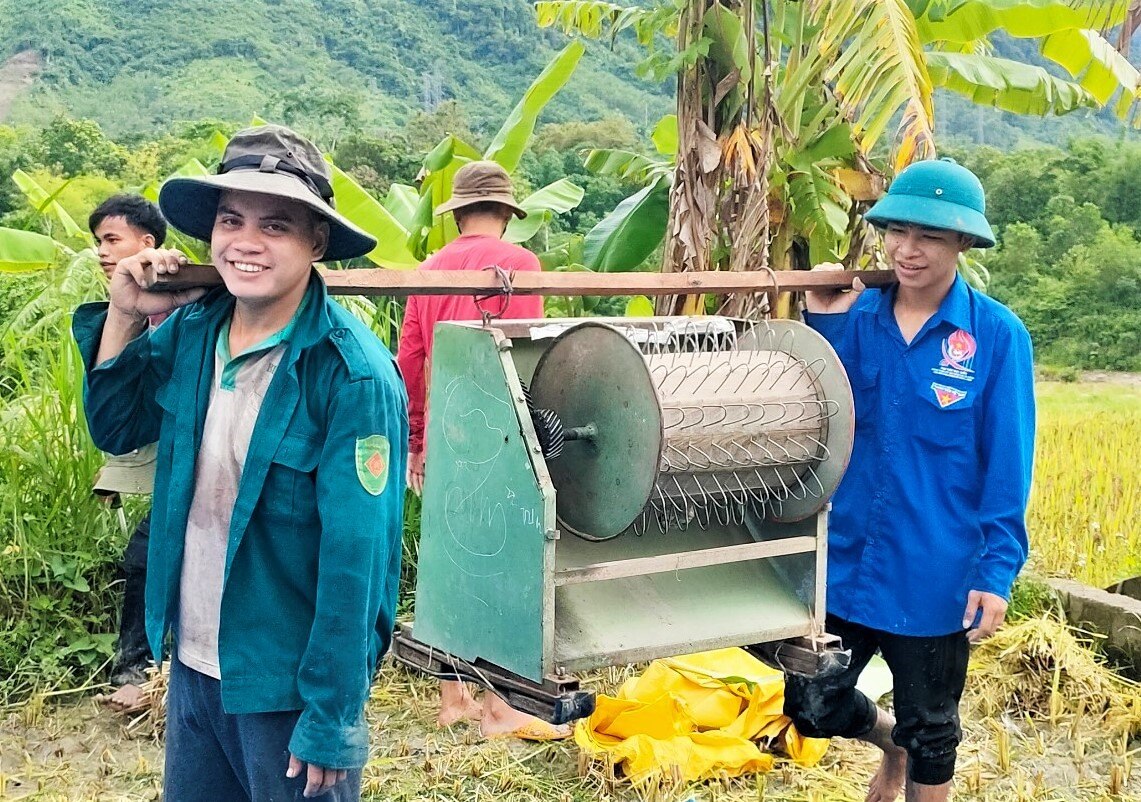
[(702, 715)]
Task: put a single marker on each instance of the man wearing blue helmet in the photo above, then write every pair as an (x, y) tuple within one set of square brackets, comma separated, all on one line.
[(928, 530)]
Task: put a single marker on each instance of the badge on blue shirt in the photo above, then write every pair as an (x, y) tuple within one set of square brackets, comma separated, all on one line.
[(958, 351)]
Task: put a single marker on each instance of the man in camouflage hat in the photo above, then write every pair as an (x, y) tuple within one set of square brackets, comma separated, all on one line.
[(278, 502)]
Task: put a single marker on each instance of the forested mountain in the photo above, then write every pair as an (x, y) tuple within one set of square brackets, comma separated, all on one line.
[(139, 65)]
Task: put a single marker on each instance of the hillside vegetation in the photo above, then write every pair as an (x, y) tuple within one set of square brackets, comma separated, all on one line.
[(139, 67)]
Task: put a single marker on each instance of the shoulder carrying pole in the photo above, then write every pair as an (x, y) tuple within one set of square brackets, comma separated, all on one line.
[(380, 281)]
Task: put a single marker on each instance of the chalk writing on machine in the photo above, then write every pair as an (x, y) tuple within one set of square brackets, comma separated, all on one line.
[(602, 492)]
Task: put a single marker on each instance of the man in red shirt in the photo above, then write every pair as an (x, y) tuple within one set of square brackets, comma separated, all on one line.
[(483, 203)]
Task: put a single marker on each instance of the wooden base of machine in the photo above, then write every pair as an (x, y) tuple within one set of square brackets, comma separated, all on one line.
[(817, 656), (558, 700)]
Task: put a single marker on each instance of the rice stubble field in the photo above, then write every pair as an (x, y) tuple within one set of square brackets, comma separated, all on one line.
[(1043, 719)]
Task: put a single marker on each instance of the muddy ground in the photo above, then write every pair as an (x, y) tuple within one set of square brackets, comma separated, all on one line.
[(76, 751)]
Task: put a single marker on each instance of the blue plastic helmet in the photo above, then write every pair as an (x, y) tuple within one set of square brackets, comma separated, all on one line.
[(936, 194)]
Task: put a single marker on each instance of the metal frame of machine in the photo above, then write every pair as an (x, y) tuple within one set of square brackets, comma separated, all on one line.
[(509, 598)]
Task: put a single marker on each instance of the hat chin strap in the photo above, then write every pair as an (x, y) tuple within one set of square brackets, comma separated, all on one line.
[(272, 164)]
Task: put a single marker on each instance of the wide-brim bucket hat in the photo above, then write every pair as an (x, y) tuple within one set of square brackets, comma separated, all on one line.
[(268, 160), (482, 182), (936, 194), (131, 474)]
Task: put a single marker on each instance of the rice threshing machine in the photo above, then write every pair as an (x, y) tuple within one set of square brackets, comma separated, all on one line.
[(610, 491)]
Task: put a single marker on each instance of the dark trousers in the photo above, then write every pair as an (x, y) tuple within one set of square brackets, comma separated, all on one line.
[(929, 675), (133, 653), (215, 756)]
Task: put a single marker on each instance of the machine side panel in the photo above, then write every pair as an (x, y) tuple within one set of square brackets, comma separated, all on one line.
[(483, 546)]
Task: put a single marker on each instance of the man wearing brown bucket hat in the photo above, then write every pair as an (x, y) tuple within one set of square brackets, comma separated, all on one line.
[(483, 203), (281, 427)]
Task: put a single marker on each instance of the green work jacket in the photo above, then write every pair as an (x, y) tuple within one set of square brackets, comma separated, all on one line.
[(313, 558)]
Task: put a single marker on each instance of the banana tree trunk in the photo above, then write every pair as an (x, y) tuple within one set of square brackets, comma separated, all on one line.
[(718, 213), (693, 197)]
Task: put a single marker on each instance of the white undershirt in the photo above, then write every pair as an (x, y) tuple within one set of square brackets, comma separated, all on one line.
[(230, 420)]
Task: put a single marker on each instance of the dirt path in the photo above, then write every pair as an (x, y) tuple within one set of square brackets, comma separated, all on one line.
[(1112, 377), (17, 74)]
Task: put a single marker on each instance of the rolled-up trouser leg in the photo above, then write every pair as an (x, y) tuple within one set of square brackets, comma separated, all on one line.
[(826, 707), (929, 675), (132, 652)]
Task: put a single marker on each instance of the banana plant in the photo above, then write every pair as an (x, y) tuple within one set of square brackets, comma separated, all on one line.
[(833, 75), (46, 204), (429, 232)]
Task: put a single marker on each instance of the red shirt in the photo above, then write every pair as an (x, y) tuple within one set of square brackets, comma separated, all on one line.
[(423, 312)]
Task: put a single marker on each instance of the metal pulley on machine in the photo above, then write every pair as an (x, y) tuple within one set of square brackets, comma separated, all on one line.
[(696, 428)]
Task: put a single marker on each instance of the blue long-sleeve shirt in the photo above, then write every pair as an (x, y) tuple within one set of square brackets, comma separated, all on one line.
[(933, 503)]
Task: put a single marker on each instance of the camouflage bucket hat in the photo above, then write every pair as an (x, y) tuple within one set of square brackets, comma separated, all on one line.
[(269, 160), (132, 473), (481, 182)]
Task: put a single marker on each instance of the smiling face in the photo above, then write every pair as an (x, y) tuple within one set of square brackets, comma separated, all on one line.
[(264, 248), (924, 259), (116, 239)]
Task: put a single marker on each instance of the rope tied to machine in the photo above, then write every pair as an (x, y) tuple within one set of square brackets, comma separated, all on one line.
[(504, 293)]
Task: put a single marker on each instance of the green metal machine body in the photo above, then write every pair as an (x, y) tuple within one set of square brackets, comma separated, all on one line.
[(662, 527)]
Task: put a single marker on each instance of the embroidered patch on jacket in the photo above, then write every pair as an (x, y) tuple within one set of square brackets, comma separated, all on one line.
[(946, 396), (958, 353), (372, 463)]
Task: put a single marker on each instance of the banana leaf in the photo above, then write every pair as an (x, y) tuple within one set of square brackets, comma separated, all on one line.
[(440, 168), (508, 145), (870, 51), (624, 238), (625, 165), (555, 198), (24, 251), (355, 203), (46, 204), (402, 202), (1008, 85), (972, 20), (1099, 68), (595, 18), (664, 136)]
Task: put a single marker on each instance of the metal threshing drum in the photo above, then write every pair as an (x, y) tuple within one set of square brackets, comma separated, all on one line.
[(693, 422)]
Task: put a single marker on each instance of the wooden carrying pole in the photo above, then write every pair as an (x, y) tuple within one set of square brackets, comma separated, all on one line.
[(379, 281)]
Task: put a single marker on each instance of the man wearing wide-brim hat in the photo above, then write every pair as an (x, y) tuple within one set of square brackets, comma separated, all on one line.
[(482, 203), (281, 427), (927, 530)]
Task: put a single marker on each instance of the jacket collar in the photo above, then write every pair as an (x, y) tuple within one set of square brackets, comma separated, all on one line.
[(311, 325), (954, 309)]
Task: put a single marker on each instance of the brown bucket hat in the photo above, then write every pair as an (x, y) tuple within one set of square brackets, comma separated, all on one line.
[(270, 160), (481, 182)]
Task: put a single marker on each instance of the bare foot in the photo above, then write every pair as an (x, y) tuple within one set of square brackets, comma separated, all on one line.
[(888, 781), (501, 720), (457, 704), (127, 699)]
